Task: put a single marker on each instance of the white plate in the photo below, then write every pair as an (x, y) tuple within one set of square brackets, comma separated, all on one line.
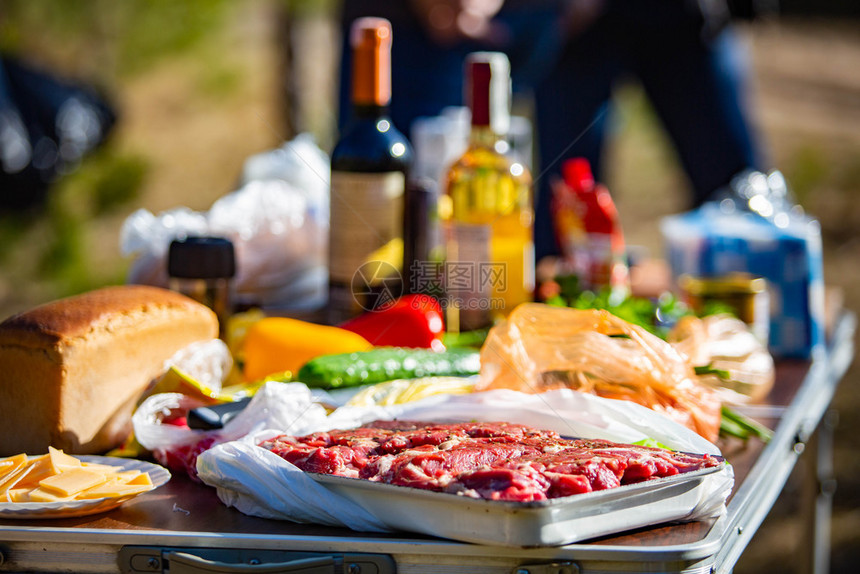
[(27, 510)]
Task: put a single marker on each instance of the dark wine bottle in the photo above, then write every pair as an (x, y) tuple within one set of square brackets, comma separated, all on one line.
[(370, 165)]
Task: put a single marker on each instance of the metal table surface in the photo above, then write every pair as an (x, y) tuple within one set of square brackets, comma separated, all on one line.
[(183, 527)]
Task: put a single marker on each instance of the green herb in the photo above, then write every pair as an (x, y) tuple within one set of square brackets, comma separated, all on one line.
[(735, 424), (466, 339), (556, 301), (717, 308), (650, 442), (708, 369), (654, 315), (729, 427), (734, 420)]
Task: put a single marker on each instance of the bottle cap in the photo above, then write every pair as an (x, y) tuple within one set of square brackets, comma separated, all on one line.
[(201, 257), (370, 39), (488, 90), (577, 174)]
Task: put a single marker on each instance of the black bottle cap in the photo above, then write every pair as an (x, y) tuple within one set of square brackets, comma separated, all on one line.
[(201, 258)]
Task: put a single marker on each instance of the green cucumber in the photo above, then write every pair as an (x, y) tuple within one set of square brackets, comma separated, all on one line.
[(386, 364)]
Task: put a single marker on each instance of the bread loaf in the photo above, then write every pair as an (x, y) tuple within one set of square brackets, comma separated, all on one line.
[(72, 370)]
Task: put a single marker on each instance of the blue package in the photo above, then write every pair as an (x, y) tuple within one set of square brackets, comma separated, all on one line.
[(715, 240)]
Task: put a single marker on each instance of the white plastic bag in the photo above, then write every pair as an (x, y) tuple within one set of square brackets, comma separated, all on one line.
[(277, 221), (251, 479), (207, 362), (276, 405), (263, 484)]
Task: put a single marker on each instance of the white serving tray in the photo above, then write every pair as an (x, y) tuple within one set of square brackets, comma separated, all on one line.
[(550, 522)]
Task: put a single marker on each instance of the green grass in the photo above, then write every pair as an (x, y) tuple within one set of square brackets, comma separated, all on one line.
[(107, 43), (808, 169), (50, 246), (108, 181), (130, 35)]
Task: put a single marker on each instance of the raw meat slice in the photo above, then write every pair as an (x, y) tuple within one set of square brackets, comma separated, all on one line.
[(495, 461)]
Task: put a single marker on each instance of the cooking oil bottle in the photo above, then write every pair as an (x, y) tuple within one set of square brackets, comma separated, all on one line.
[(486, 209)]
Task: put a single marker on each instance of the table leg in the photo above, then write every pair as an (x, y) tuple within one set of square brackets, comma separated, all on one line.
[(819, 486)]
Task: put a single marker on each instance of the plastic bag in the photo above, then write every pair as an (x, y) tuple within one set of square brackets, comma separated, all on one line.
[(259, 483), (207, 362), (200, 371), (724, 342), (299, 162), (755, 226), (277, 221), (541, 347), (159, 422)]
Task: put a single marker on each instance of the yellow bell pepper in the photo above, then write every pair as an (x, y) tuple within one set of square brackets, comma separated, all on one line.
[(278, 344)]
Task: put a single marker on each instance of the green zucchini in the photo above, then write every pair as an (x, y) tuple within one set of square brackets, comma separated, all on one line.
[(386, 364)]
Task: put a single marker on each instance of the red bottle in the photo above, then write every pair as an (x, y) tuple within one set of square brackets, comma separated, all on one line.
[(588, 229)]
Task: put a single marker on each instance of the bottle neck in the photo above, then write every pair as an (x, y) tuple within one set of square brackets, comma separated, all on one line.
[(484, 136), (371, 64), (488, 92), (369, 111)]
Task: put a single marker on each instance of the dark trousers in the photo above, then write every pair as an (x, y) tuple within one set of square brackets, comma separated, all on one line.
[(695, 85), (694, 80)]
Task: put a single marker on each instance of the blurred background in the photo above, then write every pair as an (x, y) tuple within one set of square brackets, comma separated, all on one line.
[(184, 92)]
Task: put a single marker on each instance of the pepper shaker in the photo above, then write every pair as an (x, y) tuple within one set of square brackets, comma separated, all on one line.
[(203, 267)]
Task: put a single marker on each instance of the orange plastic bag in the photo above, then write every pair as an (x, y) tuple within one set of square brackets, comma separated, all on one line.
[(540, 347)]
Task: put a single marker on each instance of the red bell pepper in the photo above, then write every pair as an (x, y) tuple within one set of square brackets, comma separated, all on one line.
[(411, 321)]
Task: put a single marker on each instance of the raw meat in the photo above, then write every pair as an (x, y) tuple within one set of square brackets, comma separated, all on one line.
[(495, 461)]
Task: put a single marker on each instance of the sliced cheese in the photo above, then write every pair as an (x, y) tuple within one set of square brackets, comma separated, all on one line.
[(10, 481), (18, 495), (142, 478), (126, 476), (106, 468), (71, 482), (20, 468), (9, 467), (11, 463), (58, 477), (38, 468), (44, 495), (62, 461), (14, 459), (113, 489)]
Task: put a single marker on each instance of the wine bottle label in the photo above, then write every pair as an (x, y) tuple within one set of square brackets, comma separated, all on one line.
[(366, 215)]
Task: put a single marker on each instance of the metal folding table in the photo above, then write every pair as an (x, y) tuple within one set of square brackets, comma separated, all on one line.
[(182, 527)]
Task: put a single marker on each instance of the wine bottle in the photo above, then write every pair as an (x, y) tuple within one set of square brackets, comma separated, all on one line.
[(369, 166), (487, 207)]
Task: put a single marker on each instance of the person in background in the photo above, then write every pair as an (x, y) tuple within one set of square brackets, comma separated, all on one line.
[(568, 55)]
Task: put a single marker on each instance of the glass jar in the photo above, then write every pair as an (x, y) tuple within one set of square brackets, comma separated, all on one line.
[(203, 267)]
